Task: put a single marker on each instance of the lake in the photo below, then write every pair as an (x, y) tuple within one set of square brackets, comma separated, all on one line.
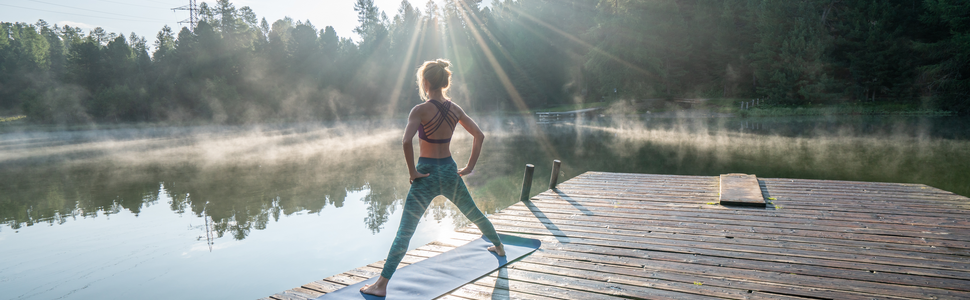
[(242, 212)]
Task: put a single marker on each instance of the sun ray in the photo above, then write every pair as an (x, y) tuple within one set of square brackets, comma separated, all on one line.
[(405, 62), (578, 41), (505, 53), (460, 61), (499, 71)]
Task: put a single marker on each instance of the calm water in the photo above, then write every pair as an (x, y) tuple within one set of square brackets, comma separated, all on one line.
[(244, 212)]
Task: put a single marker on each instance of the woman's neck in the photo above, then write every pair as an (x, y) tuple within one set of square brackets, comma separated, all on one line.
[(436, 95)]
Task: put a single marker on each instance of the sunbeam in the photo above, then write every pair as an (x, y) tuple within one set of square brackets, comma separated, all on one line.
[(405, 63), (578, 41)]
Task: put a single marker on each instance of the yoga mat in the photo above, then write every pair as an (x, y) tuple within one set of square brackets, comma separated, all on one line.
[(438, 275)]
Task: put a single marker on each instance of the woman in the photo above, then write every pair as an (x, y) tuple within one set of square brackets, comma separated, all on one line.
[(435, 174)]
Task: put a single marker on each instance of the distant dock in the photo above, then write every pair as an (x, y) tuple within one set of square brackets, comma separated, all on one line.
[(550, 117), (618, 235)]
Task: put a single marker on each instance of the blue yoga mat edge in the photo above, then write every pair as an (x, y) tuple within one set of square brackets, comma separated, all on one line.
[(446, 272)]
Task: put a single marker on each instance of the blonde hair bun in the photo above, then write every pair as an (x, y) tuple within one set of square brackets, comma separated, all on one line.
[(443, 63), (437, 76)]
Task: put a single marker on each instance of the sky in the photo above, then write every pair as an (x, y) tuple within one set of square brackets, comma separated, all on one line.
[(146, 17)]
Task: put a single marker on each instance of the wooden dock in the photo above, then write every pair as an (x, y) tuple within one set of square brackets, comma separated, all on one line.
[(611, 235), (551, 117)]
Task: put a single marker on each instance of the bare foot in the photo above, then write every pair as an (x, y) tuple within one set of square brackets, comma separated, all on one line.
[(500, 250), (378, 289)]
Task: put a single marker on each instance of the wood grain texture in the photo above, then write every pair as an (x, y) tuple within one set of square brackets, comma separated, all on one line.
[(643, 236), (740, 190)]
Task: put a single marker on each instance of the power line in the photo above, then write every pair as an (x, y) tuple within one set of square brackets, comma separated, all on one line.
[(160, 2), (101, 12), (90, 16), (139, 5)]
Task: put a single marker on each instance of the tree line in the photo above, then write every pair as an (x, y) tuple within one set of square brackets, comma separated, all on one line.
[(234, 67)]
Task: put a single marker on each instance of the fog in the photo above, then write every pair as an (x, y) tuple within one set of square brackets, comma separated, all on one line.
[(252, 174)]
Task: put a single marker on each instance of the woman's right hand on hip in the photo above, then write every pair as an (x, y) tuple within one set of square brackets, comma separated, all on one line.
[(416, 175)]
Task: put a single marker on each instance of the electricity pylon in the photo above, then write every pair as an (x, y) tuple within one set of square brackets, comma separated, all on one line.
[(193, 19)]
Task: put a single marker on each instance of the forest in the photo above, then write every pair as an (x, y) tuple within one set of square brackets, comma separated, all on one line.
[(510, 56)]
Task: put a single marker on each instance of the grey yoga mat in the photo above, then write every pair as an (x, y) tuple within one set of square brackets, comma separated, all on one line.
[(445, 272)]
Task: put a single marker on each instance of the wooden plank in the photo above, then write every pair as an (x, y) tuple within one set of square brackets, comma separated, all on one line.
[(949, 273), (747, 282), (817, 196), (303, 292), (916, 190), (452, 297), (956, 218), (952, 223), (833, 275), (598, 285), (811, 208), (719, 236), (740, 239), (345, 279), (643, 281), (765, 233), (287, 295), (928, 239), (652, 193), (323, 286), (925, 284), (738, 217)]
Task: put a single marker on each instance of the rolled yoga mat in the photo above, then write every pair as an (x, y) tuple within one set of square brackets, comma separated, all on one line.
[(443, 273)]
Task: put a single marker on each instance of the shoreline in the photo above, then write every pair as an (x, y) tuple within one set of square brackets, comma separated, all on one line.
[(732, 108)]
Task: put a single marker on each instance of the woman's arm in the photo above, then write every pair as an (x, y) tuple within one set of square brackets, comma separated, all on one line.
[(476, 132), (414, 119)]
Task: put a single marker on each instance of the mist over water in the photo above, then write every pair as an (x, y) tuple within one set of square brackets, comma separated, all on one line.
[(139, 211)]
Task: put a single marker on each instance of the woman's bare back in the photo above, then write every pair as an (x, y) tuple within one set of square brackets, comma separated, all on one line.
[(443, 129)]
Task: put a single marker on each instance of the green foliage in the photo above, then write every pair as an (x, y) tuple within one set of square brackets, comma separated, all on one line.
[(512, 55), (789, 57), (119, 103), (24, 60), (947, 75), (61, 104)]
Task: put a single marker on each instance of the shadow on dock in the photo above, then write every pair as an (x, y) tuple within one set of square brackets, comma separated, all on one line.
[(559, 234)]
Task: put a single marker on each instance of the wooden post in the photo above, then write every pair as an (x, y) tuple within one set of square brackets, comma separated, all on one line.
[(555, 174), (527, 182)]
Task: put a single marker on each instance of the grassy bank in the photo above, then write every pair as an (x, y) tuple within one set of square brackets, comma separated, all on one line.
[(11, 119), (883, 109), (733, 106)]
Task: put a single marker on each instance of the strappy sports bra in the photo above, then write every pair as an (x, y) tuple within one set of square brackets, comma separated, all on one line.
[(443, 116)]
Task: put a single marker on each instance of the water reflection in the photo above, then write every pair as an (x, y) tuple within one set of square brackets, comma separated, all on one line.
[(241, 179)]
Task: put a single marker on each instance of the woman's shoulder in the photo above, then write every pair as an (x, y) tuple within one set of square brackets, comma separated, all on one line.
[(420, 106), (424, 110), (455, 108)]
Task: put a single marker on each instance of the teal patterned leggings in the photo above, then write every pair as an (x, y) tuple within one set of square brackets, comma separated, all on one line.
[(444, 180)]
